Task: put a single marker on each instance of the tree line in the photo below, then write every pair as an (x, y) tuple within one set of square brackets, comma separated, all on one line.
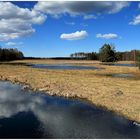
[(87, 56), (10, 54), (107, 53)]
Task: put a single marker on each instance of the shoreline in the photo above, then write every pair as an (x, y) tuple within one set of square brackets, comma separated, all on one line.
[(75, 98), (63, 84)]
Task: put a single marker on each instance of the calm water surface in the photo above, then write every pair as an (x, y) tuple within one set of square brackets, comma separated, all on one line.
[(123, 75), (124, 65), (62, 67), (25, 114)]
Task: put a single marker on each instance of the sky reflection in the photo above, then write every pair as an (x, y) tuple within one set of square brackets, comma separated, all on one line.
[(54, 117)]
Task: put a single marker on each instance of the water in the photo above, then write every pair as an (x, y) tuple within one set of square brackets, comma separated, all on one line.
[(120, 75), (124, 65), (25, 114), (123, 75), (62, 67)]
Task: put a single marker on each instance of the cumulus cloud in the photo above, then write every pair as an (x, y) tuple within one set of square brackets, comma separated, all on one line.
[(135, 21), (107, 36), (74, 36), (16, 22), (74, 8)]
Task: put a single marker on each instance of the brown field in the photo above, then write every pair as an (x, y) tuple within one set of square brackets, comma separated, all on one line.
[(120, 95)]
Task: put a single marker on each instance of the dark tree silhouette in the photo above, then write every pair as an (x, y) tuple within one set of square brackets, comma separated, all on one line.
[(85, 56), (107, 53), (138, 60), (10, 54)]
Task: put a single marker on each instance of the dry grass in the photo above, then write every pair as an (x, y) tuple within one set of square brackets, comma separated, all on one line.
[(88, 84)]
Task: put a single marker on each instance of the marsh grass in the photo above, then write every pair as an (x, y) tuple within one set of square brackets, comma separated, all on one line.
[(91, 85)]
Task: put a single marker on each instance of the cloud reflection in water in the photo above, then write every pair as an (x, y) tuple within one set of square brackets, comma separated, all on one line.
[(59, 117)]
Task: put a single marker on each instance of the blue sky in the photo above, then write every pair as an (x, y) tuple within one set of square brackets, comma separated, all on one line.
[(59, 29)]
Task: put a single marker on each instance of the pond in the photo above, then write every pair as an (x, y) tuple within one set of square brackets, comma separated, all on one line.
[(28, 114), (123, 75), (120, 64), (119, 75), (62, 67)]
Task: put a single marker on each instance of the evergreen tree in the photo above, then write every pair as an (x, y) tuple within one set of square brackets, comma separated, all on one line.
[(10, 54), (107, 53), (138, 61)]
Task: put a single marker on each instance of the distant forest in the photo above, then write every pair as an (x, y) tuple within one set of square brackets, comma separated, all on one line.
[(105, 52), (10, 54), (120, 56)]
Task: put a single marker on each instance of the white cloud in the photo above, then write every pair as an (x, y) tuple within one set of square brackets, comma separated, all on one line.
[(135, 21), (74, 8), (14, 43), (89, 17), (14, 28), (16, 22), (74, 36), (107, 36), (10, 44)]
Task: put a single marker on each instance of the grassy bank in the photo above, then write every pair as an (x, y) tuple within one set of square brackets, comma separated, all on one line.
[(121, 95)]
